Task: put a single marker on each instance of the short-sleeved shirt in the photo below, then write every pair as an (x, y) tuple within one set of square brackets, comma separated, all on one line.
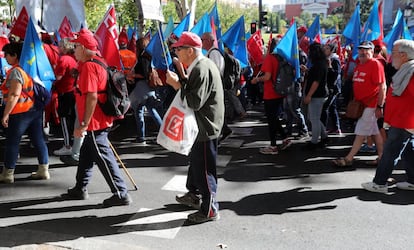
[(317, 73), (398, 109), (64, 67), (270, 65), (367, 80), (92, 79)]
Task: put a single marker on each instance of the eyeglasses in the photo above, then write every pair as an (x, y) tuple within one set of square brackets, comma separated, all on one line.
[(181, 47), (77, 45)]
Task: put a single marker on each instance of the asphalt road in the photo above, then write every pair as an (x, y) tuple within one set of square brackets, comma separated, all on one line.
[(294, 200)]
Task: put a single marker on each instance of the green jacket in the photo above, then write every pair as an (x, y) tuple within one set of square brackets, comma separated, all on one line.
[(204, 94)]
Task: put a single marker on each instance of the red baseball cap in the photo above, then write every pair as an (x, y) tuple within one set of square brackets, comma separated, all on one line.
[(302, 29), (188, 39), (87, 39), (123, 38)]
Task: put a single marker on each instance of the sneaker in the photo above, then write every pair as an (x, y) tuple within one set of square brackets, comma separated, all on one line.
[(199, 217), (373, 187), (285, 144), (76, 194), (368, 149), (189, 199), (271, 150), (405, 186), (115, 200), (69, 160), (334, 132), (302, 136), (63, 151)]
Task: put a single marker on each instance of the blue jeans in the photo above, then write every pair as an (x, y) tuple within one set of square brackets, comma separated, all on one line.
[(291, 106), (142, 96), (330, 112), (30, 121), (392, 148), (314, 114)]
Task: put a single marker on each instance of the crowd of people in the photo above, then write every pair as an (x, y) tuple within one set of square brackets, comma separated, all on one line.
[(310, 111)]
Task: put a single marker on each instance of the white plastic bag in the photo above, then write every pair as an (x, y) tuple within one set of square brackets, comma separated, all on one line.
[(179, 129)]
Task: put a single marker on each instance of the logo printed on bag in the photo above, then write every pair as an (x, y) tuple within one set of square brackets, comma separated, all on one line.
[(174, 124)]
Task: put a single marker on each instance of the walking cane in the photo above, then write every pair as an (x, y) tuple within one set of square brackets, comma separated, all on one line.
[(123, 166)]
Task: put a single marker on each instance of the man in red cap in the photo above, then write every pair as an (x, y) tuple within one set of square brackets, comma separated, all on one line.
[(302, 39), (203, 91), (94, 125)]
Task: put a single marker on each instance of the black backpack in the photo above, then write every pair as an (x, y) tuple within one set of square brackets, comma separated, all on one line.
[(285, 78), (117, 101), (232, 71)]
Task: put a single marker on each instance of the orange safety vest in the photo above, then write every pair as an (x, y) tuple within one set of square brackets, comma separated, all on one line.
[(128, 59), (25, 101)]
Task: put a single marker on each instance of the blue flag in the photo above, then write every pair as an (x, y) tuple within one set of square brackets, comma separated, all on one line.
[(288, 47), (183, 26), (314, 30), (214, 14), (398, 31), (169, 28), (203, 25), (352, 30), (372, 28), (158, 49), (235, 40), (34, 60)]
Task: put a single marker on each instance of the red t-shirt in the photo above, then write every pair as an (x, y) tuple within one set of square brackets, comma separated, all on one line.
[(367, 80), (270, 65), (64, 67), (92, 79), (52, 53), (399, 111)]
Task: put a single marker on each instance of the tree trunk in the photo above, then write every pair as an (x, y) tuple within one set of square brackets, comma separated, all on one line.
[(181, 8), (349, 7)]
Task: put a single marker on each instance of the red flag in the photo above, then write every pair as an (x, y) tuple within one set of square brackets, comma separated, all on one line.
[(132, 45), (255, 47), (65, 29), (292, 21), (213, 31), (381, 21), (107, 36), (20, 25)]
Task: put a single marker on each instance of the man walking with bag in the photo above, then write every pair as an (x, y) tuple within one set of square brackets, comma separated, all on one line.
[(204, 94)]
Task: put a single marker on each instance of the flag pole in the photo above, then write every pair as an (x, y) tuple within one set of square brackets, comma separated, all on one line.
[(162, 44)]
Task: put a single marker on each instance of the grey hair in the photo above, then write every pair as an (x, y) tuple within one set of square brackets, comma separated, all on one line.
[(198, 51), (406, 46), (67, 45)]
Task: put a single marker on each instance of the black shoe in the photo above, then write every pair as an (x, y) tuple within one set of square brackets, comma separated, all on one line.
[(311, 146), (69, 160), (76, 194), (115, 200), (323, 143)]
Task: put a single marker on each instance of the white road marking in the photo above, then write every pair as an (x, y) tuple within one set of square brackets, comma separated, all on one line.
[(154, 225), (177, 183)]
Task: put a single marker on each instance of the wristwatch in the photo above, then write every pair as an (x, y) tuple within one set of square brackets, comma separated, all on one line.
[(380, 107), (83, 124)]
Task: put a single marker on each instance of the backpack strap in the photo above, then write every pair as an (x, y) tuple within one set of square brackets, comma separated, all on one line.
[(103, 65)]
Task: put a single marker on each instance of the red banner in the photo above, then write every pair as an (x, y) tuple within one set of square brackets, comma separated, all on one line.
[(107, 36), (255, 47), (20, 25), (65, 29)]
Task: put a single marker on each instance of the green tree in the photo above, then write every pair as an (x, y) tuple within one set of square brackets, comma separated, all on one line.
[(94, 11)]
